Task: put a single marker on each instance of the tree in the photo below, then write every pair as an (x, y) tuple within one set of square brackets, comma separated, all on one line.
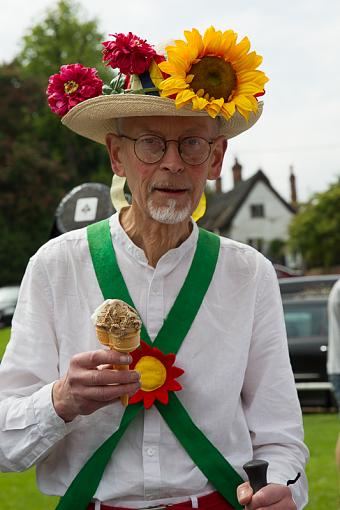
[(62, 37), (315, 229), (40, 160), (276, 251), (28, 199)]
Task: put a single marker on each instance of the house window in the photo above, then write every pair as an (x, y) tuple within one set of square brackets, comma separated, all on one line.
[(256, 243), (257, 211)]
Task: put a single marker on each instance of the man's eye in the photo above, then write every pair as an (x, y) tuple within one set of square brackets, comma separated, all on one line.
[(150, 141), (192, 141)]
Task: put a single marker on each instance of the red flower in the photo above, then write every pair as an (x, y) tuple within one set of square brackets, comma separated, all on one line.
[(157, 375), (131, 54), (72, 85)]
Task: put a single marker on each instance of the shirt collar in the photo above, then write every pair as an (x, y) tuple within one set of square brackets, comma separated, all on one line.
[(120, 238)]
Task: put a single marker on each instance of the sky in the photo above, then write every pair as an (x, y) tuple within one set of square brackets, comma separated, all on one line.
[(300, 44)]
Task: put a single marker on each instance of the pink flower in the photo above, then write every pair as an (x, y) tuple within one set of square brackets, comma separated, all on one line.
[(71, 86), (131, 54)]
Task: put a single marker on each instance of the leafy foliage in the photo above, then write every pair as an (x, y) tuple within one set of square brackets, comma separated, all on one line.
[(315, 230), (62, 37), (40, 160)]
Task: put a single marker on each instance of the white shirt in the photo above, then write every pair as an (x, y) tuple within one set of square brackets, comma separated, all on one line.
[(237, 373), (333, 354)]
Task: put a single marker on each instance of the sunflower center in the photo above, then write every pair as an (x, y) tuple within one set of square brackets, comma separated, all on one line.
[(70, 87), (153, 373), (215, 76)]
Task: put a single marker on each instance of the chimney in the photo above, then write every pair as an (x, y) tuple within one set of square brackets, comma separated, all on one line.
[(237, 172), (218, 185), (293, 197)]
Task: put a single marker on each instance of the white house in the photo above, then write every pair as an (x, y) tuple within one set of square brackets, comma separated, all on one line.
[(253, 212)]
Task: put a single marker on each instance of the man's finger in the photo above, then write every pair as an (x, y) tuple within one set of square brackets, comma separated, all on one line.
[(108, 393), (108, 376), (244, 493), (275, 496), (93, 359)]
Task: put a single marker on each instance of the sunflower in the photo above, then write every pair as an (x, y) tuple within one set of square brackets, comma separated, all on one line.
[(213, 73), (157, 375)]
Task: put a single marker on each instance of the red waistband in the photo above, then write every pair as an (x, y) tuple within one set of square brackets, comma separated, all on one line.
[(213, 501)]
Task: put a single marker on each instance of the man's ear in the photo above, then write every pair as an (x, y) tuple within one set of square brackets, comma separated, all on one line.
[(218, 151), (113, 145)]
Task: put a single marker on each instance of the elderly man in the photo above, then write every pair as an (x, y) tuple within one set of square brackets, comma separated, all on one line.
[(212, 302)]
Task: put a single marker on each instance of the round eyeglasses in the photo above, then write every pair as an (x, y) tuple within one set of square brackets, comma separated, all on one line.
[(194, 150)]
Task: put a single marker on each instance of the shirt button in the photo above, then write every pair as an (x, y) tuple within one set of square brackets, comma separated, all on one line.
[(150, 452)]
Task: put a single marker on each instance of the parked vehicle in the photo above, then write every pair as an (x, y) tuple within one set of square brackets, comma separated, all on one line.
[(8, 301), (305, 310)]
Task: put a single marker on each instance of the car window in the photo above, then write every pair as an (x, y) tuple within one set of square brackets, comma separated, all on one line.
[(305, 319), (8, 294)]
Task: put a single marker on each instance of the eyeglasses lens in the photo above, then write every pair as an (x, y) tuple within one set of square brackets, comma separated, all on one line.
[(193, 150)]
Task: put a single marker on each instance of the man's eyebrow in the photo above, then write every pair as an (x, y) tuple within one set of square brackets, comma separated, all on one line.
[(189, 132)]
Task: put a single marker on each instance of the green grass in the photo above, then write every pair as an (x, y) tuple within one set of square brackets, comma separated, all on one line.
[(321, 432), (18, 490)]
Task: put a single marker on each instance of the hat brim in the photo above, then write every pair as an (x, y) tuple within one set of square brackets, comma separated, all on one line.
[(95, 118)]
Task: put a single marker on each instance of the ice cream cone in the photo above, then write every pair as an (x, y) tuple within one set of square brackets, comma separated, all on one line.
[(118, 327)]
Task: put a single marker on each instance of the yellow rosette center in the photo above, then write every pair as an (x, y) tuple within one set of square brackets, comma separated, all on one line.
[(153, 373), (213, 75), (70, 87)]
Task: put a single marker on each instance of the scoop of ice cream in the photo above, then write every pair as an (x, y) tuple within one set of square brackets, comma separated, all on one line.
[(116, 316)]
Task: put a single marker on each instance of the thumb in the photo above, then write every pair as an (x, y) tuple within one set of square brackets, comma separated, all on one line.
[(244, 493)]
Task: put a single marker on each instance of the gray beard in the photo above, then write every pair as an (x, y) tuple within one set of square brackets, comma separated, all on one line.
[(168, 213)]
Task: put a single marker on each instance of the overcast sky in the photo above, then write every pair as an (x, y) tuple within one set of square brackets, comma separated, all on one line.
[(300, 43)]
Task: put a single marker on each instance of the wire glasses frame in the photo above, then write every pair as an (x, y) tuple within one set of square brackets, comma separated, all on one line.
[(150, 149)]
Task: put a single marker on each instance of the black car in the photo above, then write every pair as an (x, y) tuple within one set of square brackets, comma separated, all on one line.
[(305, 310), (8, 301)]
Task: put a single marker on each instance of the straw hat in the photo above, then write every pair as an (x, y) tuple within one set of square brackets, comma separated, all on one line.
[(95, 118), (210, 75)]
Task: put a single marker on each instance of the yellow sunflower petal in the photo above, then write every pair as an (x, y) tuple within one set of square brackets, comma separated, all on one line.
[(167, 67), (198, 103), (244, 113), (239, 49), (155, 74), (248, 76), (172, 86), (184, 98), (254, 103), (195, 43), (214, 107), (248, 88), (186, 54), (229, 38), (248, 62), (212, 41), (200, 209), (228, 109), (243, 102), (178, 61)]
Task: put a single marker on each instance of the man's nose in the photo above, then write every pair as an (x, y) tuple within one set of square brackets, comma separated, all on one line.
[(172, 160)]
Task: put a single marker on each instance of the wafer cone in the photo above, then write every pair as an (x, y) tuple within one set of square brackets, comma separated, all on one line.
[(126, 343)]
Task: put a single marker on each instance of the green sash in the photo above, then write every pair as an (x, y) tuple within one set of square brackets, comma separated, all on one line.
[(169, 339)]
